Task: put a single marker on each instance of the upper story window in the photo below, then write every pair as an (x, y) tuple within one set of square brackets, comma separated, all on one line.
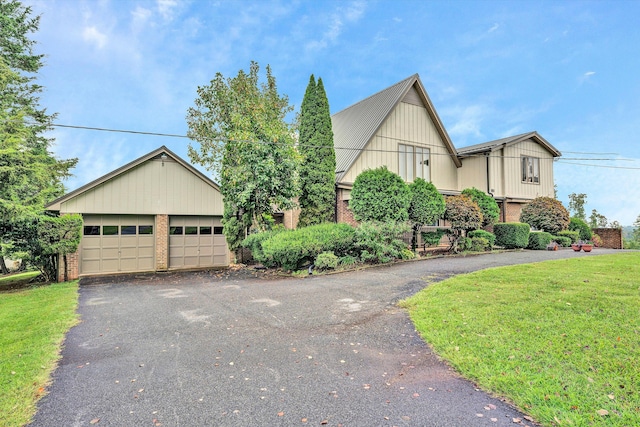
[(531, 170), (413, 163)]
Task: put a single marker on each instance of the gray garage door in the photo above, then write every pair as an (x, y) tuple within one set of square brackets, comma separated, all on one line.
[(117, 243), (196, 242)]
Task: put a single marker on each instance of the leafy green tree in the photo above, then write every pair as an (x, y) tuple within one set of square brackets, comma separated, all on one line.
[(545, 214), (597, 220), (426, 207), (576, 205), (317, 169), (636, 229), (463, 215), (30, 174), (244, 138), (380, 195), (488, 205), (615, 224)]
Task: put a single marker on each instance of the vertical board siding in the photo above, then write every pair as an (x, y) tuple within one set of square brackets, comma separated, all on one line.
[(407, 124), (150, 188), (514, 187), (473, 173)]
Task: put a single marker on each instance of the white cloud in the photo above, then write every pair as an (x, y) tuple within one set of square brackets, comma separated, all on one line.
[(140, 15), (468, 121), (93, 35), (349, 14), (495, 27), (166, 8), (586, 76)]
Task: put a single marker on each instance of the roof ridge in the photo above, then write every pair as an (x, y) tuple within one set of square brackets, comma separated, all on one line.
[(377, 93)]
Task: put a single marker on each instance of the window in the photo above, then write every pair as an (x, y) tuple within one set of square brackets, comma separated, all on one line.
[(190, 230), (217, 230), (205, 230), (91, 230), (413, 162), (175, 231), (145, 229), (127, 230), (109, 230), (531, 170)]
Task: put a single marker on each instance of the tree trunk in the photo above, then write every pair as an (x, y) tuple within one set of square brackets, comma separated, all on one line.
[(66, 276), (3, 266)]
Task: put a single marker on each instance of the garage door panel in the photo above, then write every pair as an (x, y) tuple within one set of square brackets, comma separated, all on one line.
[(196, 250), (124, 251)]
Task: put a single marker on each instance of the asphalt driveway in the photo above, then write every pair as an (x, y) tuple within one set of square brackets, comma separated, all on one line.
[(213, 349)]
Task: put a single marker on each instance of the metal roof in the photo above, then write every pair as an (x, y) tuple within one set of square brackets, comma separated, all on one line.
[(356, 125), (499, 143), (55, 205)]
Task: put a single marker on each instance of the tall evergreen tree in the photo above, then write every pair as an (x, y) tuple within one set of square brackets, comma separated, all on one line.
[(317, 170), (30, 174)]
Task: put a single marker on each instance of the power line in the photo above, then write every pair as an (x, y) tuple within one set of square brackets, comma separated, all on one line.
[(357, 149), (598, 166)]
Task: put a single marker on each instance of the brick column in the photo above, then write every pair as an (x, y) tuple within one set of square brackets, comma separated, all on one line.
[(162, 242), (72, 267)]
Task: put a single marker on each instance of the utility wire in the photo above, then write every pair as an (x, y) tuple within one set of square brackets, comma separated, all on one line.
[(563, 159)]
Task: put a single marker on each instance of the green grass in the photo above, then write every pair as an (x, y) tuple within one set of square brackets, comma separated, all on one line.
[(16, 281), (33, 324), (560, 339)]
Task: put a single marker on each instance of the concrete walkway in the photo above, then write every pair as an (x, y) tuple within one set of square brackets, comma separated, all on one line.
[(211, 349)]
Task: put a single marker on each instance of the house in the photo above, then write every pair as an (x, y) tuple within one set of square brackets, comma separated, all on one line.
[(156, 213), (399, 128)]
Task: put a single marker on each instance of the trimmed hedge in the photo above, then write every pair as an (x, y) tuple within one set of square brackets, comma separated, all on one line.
[(479, 244), (380, 242), (326, 261), (292, 249), (253, 242), (563, 241), (490, 237), (538, 240), (512, 235), (574, 236)]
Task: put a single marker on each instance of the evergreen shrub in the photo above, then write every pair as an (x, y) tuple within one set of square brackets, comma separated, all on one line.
[(538, 240), (583, 229), (512, 235), (573, 235), (380, 242), (326, 261), (490, 237), (563, 241)]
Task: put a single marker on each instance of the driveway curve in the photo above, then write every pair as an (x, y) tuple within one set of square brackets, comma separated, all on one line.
[(215, 349)]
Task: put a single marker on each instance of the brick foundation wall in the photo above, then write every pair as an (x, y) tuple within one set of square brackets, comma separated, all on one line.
[(611, 237), (73, 268), (345, 214), (512, 211), (162, 242)]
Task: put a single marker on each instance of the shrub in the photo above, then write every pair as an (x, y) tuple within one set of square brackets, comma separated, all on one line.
[(380, 242), (512, 235), (426, 207), (292, 249), (253, 242), (464, 243), (326, 261), (538, 240), (347, 260), (545, 214), (490, 237), (463, 213), (407, 254), (486, 203), (583, 229), (432, 238), (479, 244), (563, 241), (380, 195), (573, 235)]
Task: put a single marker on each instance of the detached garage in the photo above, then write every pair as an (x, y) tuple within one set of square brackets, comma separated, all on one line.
[(156, 213)]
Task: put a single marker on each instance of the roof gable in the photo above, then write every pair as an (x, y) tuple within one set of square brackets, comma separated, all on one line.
[(355, 126), (111, 176), (511, 140)]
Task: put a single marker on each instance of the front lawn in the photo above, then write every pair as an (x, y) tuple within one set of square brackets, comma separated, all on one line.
[(17, 280), (560, 339), (33, 324)]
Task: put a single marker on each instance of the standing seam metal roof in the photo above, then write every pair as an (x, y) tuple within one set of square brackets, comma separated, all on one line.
[(354, 126)]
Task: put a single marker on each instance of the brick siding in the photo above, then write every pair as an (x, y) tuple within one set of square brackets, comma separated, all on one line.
[(162, 242), (611, 237)]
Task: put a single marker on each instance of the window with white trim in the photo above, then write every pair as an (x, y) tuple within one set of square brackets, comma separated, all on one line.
[(413, 162), (531, 170)]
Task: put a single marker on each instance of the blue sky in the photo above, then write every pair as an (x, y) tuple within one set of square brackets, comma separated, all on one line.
[(567, 69)]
